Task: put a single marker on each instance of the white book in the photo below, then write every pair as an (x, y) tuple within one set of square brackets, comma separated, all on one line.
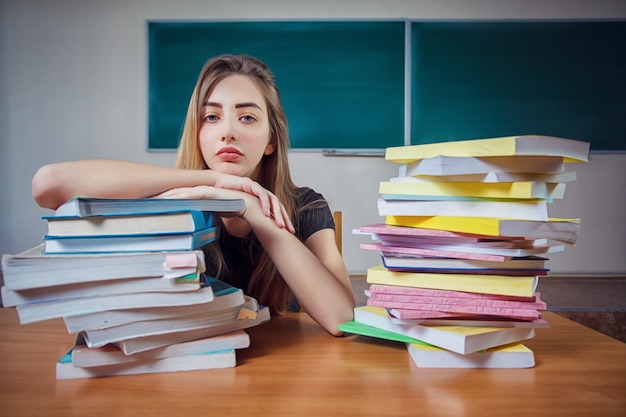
[(110, 318), (101, 337), (511, 356), (141, 344), (490, 177), (34, 269), (29, 313), (460, 165), (12, 298), (83, 356), (65, 369), (420, 262), (391, 205), (129, 243)]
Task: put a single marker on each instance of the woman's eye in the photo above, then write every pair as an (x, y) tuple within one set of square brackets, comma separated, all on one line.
[(248, 118), (209, 118)]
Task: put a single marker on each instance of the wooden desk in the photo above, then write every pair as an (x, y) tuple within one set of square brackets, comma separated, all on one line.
[(293, 368)]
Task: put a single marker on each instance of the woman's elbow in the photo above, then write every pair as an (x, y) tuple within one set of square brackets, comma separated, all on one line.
[(45, 190)]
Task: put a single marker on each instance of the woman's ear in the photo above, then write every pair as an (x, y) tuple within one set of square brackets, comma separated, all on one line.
[(269, 149)]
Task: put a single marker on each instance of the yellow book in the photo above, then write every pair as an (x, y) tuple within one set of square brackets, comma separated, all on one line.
[(570, 150), (563, 230), (516, 190), (512, 356), (521, 286)]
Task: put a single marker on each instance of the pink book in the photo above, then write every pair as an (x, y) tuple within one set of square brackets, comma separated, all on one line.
[(393, 289), (384, 229), (460, 301), (522, 314), (435, 253)]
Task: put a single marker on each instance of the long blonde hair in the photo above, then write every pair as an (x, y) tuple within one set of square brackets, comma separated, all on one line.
[(266, 284)]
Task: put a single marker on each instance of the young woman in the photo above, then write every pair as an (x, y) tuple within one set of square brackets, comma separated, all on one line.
[(281, 249)]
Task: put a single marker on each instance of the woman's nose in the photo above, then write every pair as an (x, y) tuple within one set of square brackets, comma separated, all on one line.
[(229, 130)]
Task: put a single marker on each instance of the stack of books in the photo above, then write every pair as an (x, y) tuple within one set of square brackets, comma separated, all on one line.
[(127, 277), (465, 240)]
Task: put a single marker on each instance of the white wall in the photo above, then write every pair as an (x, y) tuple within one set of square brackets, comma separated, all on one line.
[(73, 85)]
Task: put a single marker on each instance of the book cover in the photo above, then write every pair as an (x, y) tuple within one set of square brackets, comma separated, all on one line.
[(405, 309), (462, 249), (354, 327), (459, 339), (174, 324), (12, 298), (244, 321), (407, 205), (29, 313), (83, 356), (408, 311), (491, 176), (432, 252), (90, 206), (459, 165), (379, 289), (540, 145), (472, 321), (424, 355), (137, 224), (512, 356), (65, 368), (130, 243), (496, 190), (225, 297), (531, 265), (563, 230), (34, 269), (521, 286)]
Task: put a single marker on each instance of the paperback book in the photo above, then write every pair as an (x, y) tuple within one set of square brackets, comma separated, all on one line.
[(34, 269), (86, 357), (459, 339), (65, 368)]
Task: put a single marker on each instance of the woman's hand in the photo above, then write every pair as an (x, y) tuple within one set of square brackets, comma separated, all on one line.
[(268, 202)]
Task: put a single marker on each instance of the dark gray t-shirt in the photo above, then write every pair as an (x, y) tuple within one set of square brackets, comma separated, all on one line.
[(241, 255)]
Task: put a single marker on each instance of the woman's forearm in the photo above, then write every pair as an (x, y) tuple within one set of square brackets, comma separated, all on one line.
[(323, 290), (56, 183)]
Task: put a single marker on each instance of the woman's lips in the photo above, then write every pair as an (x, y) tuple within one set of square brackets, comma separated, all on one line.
[(229, 153)]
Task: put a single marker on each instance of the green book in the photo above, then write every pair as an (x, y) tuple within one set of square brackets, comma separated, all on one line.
[(355, 327)]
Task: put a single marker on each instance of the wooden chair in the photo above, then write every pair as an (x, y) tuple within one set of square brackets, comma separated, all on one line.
[(337, 216)]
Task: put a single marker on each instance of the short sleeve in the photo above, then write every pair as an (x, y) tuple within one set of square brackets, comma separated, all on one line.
[(312, 213)]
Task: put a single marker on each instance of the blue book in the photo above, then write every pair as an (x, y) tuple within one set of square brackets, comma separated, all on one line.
[(89, 206), (136, 224), (129, 243)]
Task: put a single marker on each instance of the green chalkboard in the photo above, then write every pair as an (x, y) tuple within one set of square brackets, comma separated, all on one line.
[(489, 79), (341, 82)]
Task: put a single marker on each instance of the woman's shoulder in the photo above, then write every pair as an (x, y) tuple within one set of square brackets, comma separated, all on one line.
[(307, 195)]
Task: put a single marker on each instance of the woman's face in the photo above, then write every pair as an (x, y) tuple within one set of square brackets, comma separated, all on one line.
[(234, 128)]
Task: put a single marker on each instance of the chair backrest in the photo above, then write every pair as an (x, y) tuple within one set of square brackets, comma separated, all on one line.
[(337, 216)]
